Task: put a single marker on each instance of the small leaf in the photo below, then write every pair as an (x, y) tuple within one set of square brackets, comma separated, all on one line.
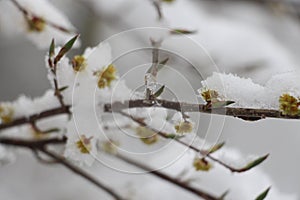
[(162, 64), (53, 130), (149, 70), (168, 1), (174, 136), (255, 163), (221, 104), (222, 197), (216, 147), (63, 88), (52, 48), (182, 31), (65, 48), (159, 92), (263, 195)]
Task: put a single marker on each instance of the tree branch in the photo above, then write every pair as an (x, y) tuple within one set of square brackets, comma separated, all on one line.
[(249, 114), (33, 118), (40, 145), (82, 173)]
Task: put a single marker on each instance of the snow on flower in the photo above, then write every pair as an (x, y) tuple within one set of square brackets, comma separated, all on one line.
[(245, 93), (41, 23), (80, 147), (91, 80)]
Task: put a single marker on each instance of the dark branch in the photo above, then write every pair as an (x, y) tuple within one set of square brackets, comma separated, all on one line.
[(32, 144), (40, 145), (250, 114), (82, 173), (33, 118)]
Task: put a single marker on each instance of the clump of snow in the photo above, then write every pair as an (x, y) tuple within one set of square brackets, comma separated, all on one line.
[(245, 93)]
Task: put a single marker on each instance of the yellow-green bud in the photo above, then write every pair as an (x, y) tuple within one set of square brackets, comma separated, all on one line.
[(79, 63), (288, 105), (146, 135), (106, 76), (84, 144), (6, 113), (36, 24), (184, 127), (209, 95), (200, 164)]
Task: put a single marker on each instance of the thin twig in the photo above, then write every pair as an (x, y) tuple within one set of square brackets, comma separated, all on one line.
[(57, 93), (153, 68), (249, 114), (43, 160), (190, 146), (82, 173), (157, 6), (177, 182)]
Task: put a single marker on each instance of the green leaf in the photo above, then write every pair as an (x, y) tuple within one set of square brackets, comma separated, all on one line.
[(159, 92), (162, 64), (174, 136), (182, 31), (52, 48), (221, 104), (63, 88), (255, 163), (263, 195), (167, 1), (222, 197), (159, 66), (216, 147), (65, 49), (53, 130)]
